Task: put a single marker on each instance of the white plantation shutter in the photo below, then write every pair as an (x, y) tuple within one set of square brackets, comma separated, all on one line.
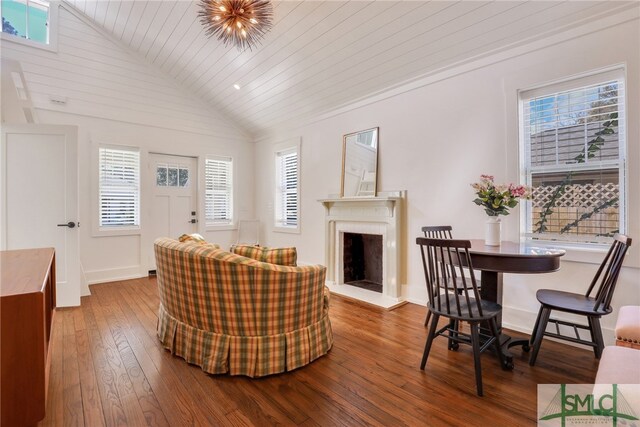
[(287, 195), (119, 187), (219, 190), (574, 152)]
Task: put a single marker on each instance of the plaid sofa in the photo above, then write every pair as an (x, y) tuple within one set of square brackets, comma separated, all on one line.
[(230, 314)]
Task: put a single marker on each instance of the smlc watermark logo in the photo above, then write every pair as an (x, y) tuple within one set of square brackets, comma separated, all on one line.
[(588, 404)]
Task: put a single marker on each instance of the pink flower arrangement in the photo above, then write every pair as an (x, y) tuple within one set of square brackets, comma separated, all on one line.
[(498, 199)]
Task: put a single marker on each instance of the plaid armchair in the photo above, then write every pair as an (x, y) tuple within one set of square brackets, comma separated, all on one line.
[(231, 314)]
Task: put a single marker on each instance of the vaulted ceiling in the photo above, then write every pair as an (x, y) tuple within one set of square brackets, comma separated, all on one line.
[(321, 55)]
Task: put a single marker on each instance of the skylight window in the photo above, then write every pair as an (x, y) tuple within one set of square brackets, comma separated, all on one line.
[(27, 20)]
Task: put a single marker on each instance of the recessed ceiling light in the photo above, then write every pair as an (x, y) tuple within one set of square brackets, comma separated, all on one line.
[(237, 86)]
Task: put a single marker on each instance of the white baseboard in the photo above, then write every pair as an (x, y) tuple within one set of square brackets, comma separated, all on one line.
[(520, 320), (418, 301), (114, 274)]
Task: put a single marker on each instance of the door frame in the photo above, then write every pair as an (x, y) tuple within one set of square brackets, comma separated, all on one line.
[(149, 181)]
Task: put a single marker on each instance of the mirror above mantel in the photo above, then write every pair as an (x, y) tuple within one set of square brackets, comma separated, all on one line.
[(359, 164)]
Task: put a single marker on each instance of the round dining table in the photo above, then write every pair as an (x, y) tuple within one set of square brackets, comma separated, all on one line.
[(510, 257)]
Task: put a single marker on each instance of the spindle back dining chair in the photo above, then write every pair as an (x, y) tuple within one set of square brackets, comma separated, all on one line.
[(440, 232), (442, 261), (591, 307)]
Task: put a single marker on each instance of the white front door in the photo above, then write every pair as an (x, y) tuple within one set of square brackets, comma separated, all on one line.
[(173, 207), (40, 198)]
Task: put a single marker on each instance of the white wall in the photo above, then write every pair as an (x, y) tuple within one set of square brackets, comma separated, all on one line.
[(107, 258), (114, 97), (437, 136), (101, 78)]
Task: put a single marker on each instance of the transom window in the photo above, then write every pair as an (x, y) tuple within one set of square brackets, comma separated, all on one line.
[(219, 190), (27, 19), (573, 147), (172, 175)]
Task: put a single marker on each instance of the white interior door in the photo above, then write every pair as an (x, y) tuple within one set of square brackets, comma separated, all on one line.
[(173, 207), (40, 198)]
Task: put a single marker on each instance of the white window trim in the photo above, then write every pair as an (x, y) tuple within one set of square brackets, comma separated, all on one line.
[(53, 32), (96, 230), (293, 144), (222, 226), (577, 252)]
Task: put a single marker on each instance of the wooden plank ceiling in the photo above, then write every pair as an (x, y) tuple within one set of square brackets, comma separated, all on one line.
[(321, 55)]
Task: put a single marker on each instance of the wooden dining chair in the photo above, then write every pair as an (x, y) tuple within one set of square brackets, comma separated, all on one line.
[(436, 232), (442, 260), (592, 307), (441, 232)]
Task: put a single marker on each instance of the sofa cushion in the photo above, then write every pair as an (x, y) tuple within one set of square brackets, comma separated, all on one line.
[(279, 256), (619, 365)]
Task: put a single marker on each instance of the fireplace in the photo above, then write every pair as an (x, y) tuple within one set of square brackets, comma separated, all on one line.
[(362, 261), (363, 248)]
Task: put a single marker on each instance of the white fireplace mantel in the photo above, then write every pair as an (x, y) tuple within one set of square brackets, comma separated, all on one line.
[(368, 215)]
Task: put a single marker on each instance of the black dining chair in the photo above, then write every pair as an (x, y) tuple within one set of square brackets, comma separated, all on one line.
[(442, 260), (592, 307), (436, 232), (441, 232)]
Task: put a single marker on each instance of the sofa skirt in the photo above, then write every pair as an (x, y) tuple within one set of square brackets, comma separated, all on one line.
[(253, 356)]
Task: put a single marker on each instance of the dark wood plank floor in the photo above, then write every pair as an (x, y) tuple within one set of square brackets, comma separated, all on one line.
[(108, 369)]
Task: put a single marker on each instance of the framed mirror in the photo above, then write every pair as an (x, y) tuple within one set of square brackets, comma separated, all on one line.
[(359, 164)]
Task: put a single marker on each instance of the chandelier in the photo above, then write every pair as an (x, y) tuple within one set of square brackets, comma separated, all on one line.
[(239, 22)]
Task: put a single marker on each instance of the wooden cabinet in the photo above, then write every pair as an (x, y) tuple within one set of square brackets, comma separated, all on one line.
[(27, 305)]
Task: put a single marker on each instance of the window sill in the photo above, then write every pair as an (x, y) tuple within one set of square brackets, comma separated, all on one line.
[(290, 230), (51, 47), (109, 232)]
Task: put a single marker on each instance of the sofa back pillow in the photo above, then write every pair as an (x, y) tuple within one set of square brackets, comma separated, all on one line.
[(196, 238), (280, 256), (193, 237)]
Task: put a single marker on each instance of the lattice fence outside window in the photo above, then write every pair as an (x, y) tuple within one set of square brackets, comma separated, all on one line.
[(576, 201)]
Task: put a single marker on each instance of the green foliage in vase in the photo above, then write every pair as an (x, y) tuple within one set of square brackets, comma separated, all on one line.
[(497, 199)]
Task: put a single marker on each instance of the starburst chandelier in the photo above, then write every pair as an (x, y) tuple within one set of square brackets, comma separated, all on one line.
[(239, 22)]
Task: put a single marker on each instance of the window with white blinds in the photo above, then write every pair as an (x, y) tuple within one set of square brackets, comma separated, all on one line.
[(287, 212), (219, 190), (574, 158), (119, 187)]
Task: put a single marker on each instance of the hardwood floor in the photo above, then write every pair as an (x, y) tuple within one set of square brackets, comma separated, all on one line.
[(108, 369)]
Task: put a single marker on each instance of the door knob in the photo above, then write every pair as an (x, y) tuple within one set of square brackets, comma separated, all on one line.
[(70, 224), (192, 221)]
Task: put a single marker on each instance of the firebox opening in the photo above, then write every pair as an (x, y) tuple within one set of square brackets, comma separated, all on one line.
[(362, 261)]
